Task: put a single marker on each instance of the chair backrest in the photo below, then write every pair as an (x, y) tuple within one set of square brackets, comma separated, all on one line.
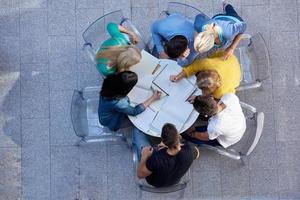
[(188, 11), (79, 114), (143, 185), (255, 123), (84, 117), (96, 33), (254, 60)]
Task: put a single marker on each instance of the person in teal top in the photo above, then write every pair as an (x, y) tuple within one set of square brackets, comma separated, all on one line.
[(117, 53)]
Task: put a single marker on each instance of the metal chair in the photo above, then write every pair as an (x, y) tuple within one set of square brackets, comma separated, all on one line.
[(255, 62), (84, 117), (96, 33), (144, 186), (238, 151)]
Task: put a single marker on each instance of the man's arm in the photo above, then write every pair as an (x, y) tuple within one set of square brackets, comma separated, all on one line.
[(157, 39), (133, 37), (238, 29), (200, 135), (142, 170)]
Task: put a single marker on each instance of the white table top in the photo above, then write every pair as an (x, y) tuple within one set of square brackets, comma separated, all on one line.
[(190, 120)]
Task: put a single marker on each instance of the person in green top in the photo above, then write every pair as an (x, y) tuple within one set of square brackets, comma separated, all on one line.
[(117, 54)]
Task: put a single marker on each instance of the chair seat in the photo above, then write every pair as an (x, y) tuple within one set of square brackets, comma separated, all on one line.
[(84, 115)]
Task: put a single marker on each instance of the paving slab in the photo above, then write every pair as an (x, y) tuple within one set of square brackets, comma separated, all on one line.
[(10, 172), (61, 21), (65, 172)]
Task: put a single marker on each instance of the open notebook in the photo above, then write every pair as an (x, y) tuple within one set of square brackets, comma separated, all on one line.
[(145, 69), (180, 90)]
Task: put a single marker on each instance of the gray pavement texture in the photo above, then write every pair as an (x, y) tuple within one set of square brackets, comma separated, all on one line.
[(41, 62)]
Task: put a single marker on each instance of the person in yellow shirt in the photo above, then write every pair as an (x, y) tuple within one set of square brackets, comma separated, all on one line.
[(215, 76)]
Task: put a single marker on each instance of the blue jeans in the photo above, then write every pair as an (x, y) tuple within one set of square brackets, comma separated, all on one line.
[(140, 140), (229, 10), (199, 142)]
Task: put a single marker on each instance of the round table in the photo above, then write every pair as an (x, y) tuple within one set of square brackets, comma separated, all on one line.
[(190, 120)]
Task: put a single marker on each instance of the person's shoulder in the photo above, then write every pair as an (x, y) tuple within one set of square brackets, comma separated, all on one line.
[(189, 150), (229, 99)]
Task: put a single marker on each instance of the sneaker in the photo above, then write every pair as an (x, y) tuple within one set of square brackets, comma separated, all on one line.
[(224, 4)]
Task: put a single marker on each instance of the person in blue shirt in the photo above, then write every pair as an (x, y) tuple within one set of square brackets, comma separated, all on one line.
[(173, 38), (114, 105), (223, 31)]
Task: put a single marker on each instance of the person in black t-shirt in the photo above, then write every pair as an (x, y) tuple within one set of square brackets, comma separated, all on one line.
[(165, 166)]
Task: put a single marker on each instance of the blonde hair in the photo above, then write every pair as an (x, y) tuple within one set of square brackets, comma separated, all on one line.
[(123, 57), (208, 81), (205, 40)]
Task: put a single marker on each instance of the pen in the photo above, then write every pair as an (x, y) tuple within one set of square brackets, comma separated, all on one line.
[(156, 68)]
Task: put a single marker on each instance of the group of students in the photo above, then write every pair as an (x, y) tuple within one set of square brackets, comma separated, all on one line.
[(163, 161)]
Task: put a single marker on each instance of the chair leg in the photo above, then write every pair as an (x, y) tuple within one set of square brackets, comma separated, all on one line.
[(78, 143), (139, 195)]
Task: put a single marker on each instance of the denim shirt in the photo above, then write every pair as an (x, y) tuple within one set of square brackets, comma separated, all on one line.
[(111, 112), (171, 26), (229, 25)]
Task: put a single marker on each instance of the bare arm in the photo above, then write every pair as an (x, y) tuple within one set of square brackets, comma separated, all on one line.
[(142, 170), (200, 135), (230, 50), (133, 36), (153, 98), (176, 78), (124, 30), (236, 41)]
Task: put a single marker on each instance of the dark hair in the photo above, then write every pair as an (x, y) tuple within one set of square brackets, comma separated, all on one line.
[(205, 105), (118, 85), (176, 46), (169, 136)]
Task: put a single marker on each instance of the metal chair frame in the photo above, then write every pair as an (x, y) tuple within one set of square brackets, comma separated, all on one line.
[(85, 126), (249, 70), (88, 46), (233, 153)]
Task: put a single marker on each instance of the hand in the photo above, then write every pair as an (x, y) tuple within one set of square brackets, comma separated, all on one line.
[(228, 52), (191, 134), (173, 78), (191, 129), (163, 55), (147, 152), (134, 39), (191, 99), (156, 95), (186, 53), (161, 145)]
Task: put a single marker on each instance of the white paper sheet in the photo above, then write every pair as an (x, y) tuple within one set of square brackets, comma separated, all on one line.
[(181, 89), (139, 95), (148, 114), (146, 66)]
